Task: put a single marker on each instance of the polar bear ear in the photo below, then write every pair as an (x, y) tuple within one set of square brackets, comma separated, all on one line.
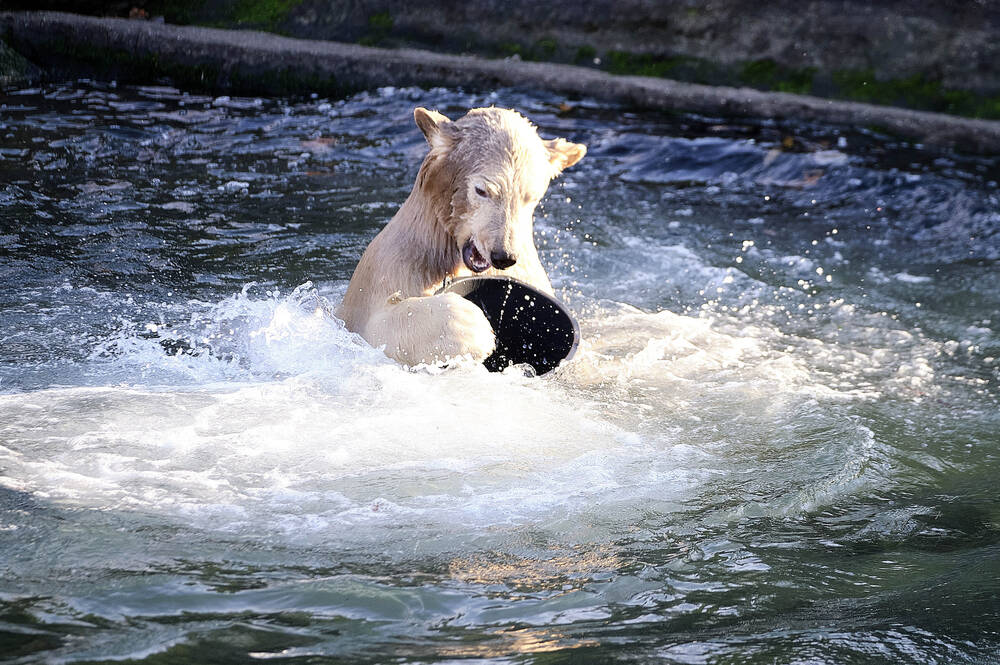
[(564, 154), (432, 124)]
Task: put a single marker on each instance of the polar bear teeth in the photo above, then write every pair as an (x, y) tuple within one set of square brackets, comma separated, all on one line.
[(474, 260)]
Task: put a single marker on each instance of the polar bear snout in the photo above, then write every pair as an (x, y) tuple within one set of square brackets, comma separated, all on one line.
[(476, 261), (502, 259)]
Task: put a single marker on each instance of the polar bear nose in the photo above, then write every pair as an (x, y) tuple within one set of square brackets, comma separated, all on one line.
[(502, 260)]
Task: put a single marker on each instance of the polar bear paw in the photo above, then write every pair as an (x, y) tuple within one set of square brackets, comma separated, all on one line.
[(432, 330), (461, 330)]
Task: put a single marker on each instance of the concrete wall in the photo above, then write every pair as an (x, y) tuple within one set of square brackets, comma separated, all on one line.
[(953, 42), (940, 55), (252, 62), (932, 54)]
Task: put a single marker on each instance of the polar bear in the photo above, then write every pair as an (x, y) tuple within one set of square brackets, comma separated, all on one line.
[(470, 211)]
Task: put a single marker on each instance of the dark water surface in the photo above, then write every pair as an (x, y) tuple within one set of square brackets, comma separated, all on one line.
[(778, 443)]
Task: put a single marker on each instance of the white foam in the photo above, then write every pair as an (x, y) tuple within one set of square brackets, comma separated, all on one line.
[(912, 279), (281, 424)]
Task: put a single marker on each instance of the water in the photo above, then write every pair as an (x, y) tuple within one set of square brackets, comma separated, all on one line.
[(777, 443)]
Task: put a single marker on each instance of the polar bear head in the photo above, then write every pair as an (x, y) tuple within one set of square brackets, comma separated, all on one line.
[(486, 172)]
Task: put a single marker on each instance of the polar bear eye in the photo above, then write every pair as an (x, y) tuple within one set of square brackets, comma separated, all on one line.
[(481, 191)]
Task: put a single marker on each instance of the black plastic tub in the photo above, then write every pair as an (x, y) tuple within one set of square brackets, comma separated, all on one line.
[(531, 327)]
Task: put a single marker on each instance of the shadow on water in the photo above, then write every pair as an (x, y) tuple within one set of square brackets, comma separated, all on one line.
[(777, 441)]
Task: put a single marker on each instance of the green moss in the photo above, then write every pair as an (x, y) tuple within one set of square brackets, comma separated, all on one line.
[(508, 49), (766, 74), (631, 64), (380, 21), (680, 67), (379, 26), (759, 72), (799, 81), (915, 92), (266, 13), (990, 108), (585, 55), (544, 49)]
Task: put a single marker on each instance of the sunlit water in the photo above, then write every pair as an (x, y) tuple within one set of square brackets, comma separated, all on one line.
[(778, 442)]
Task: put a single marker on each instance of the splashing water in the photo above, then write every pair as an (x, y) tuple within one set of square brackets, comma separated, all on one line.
[(776, 443)]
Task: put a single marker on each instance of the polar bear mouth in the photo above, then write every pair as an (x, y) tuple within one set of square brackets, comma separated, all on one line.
[(473, 258)]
